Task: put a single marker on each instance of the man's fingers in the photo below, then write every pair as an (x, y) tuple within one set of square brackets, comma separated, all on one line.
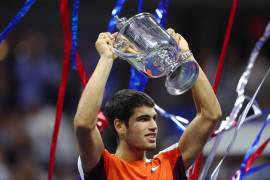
[(181, 38), (178, 38), (110, 35), (170, 31), (102, 35), (132, 46), (114, 34), (105, 36), (132, 50)]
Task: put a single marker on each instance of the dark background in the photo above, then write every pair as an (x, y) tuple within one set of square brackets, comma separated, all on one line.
[(30, 71)]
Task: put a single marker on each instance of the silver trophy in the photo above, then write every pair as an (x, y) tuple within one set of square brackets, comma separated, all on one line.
[(156, 52)]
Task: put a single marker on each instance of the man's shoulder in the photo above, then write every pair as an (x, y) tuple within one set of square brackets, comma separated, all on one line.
[(170, 148), (170, 153)]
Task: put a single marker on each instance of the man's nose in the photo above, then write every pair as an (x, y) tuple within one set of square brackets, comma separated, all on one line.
[(153, 125)]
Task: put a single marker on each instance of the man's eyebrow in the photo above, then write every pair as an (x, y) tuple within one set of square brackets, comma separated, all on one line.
[(147, 116), (143, 116)]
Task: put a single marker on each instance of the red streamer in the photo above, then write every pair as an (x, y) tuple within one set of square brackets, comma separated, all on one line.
[(225, 45), (62, 88), (66, 63), (256, 154), (194, 171), (197, 166), (64, 14), (80, 69)]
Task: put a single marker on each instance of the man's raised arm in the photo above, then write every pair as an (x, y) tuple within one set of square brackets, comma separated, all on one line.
[(198, 131), (89, 139)]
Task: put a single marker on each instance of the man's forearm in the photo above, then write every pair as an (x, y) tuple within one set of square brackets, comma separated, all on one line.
[(208, 112), (92, 95)]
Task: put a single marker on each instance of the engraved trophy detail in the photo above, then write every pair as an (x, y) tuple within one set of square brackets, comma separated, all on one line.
[(157, 53)]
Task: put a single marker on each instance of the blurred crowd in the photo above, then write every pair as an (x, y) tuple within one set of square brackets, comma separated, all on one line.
[(29, 79), (30, 73)]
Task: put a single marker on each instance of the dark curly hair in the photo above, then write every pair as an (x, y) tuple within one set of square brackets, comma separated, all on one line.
[(122, 103)]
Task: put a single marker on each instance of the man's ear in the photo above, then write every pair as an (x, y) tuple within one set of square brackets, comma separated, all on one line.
[(120, 127)]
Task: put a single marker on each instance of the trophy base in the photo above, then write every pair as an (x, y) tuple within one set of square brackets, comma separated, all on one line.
[(182, 78)]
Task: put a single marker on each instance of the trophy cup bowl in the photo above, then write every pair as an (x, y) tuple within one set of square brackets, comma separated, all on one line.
[(156, 53)]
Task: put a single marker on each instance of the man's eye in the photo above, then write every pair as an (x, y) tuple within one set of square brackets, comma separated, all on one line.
[(143, 119)]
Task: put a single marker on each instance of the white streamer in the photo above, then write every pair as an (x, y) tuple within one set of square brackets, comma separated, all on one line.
[(230, 120), (242, 119)]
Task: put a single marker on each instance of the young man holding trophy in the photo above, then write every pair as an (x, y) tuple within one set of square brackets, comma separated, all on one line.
[(133, 118)]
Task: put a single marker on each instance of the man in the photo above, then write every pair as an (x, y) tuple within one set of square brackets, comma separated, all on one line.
[(133, 117)]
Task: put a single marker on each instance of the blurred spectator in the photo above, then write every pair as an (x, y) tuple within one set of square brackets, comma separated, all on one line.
[(39, 127), (4, 171), (37, 71)]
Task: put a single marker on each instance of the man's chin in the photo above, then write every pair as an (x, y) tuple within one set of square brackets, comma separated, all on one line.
[(150, 147)]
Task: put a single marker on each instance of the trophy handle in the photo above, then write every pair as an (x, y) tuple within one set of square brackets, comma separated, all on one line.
[(125, 50), (136, 60), (126, 56)]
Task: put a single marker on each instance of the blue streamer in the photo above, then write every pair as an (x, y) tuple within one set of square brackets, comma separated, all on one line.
[(74, 28), (116, 11), (161, 16), (137, 80), (179, 121), (140, 6), (253, 148), (256, 169), (161, 12), (25, 8)]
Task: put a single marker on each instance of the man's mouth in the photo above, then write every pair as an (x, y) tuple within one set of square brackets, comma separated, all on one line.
[(151, 137)]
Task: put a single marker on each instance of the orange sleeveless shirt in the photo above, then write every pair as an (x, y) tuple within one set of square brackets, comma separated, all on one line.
[(167, 165)]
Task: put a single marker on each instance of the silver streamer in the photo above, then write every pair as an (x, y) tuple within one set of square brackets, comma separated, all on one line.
[(230, 120)]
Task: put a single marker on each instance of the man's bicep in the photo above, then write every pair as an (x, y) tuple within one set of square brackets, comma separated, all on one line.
[(194, 138), (91, 147)]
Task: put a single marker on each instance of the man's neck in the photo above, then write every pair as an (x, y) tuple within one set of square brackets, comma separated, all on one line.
[(129, 154)]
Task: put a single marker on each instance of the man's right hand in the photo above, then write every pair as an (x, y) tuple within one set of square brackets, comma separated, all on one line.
[(104, 45)]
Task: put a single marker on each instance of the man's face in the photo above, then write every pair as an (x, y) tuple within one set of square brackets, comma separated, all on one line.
[(142, 129)]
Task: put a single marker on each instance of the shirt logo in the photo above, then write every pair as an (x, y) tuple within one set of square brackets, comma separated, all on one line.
[(154, 169)]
